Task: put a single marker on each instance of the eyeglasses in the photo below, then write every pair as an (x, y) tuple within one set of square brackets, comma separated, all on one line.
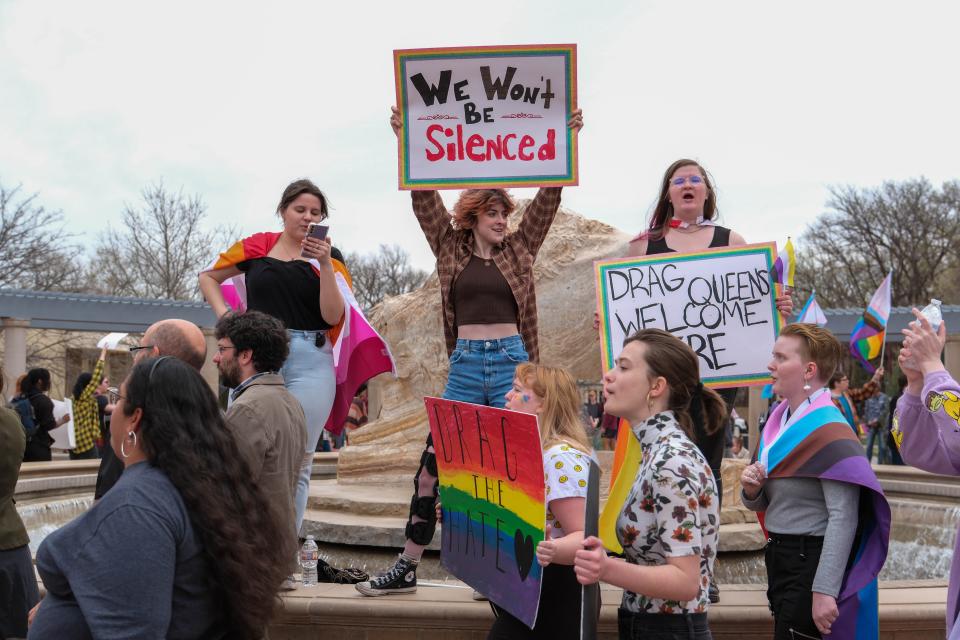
[(134, 350), (220, 349), (113, 395), (679, 181)]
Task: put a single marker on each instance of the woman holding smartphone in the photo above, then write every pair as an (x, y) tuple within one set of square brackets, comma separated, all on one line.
[(291, 276)]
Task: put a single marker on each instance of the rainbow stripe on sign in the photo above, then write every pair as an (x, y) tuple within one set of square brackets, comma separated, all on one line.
[(568, 52), (490, 468), (609, 351)]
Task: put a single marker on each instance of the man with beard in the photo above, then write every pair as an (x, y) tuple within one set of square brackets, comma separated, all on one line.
[(268, 422)]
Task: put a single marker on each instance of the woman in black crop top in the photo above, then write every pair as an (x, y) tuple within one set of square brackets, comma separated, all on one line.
[(683, 221), (292, 278)]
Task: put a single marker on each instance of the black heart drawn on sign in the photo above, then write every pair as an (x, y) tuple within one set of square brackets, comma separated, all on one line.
[(524, 552)]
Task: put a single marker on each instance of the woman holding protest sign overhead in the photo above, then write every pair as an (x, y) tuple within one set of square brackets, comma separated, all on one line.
[(489, 307), (669, 524)]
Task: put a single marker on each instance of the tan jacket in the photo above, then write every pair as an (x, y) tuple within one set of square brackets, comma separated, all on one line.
[(271, 433), (12, 442)]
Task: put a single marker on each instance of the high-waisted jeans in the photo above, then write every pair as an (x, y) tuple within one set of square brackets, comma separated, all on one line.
[(481, 371), (308, 374)]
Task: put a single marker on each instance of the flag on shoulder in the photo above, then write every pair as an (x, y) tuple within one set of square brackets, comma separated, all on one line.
[(812, 313), (866, 340)]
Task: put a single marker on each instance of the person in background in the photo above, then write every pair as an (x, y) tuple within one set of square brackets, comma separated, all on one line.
[(926, 425), (186, 544), (35, 387), (86, 411), (172, 337), (18, 583), (737, 451), (892, 445), (357, 417), (266, 419), (875, 419), (847, 399), (669, 550)]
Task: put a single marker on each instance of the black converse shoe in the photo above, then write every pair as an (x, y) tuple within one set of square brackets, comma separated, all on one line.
[(402, 578)]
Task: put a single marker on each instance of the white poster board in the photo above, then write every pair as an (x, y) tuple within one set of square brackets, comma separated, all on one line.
[(486, 116), (64, 436), (722, 302)]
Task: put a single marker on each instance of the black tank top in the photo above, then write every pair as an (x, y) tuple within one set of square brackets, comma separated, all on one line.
[(711, 446), (721, 238)]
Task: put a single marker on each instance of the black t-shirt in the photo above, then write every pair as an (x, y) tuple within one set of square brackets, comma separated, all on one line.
[(288, 291)]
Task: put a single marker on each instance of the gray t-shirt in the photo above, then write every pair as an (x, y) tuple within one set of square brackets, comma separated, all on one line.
[(131, 567), (813, 507)]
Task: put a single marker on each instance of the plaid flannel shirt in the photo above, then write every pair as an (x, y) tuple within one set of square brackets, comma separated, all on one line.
[(514, 257), (86, 413)]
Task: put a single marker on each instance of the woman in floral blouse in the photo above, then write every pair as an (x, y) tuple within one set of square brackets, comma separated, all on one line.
[(669, 524)]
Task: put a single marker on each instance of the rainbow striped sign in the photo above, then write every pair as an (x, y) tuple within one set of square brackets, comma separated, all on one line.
[(490, 464), (722, 302), (487, 116)]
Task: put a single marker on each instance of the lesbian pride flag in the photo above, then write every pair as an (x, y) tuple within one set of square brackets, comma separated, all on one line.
[(359, 353)]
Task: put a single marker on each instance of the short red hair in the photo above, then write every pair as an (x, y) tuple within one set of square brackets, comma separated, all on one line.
[(473, 201)]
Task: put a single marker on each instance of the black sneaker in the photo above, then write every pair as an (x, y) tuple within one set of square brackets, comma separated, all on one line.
[(402, 578)]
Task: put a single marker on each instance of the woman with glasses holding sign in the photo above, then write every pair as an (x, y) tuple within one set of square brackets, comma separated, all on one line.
[(185, 545), (684, 220), (489, 311)]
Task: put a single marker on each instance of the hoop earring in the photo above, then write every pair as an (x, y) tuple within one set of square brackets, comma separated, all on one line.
[(649, 402), (124, 441)]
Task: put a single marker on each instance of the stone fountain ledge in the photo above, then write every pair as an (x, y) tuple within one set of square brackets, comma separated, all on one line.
[(909, 610)]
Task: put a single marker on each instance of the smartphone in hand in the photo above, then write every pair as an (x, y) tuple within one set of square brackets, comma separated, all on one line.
[(317, 231)]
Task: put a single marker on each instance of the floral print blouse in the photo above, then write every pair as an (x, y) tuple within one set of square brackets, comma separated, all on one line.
[(671, 511), (566, 470)]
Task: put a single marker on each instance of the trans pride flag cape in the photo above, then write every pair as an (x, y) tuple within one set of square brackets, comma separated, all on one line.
[(820, 444), (359, 353)]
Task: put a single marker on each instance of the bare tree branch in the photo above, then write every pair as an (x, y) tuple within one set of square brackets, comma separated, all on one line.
[(383, 274)]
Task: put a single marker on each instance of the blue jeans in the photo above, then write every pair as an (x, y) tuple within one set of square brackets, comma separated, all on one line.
[(879, 435), (308, 374), (481, 371)]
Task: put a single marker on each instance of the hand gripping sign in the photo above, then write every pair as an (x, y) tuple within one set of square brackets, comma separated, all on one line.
[(487, 116)]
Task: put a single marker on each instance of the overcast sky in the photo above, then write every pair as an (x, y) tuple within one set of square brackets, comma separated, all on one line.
[(234, 100)]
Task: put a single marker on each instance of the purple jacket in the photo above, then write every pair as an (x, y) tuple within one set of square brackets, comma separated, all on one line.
[(928, 433)]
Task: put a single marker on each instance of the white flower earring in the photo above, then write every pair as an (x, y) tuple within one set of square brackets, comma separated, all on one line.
[(806, 385)]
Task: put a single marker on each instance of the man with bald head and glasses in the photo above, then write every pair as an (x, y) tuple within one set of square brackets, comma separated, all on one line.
[(180, 339)]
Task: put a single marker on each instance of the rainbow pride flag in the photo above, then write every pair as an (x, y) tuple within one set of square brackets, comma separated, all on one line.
[(359, 353), (492, 492), (820, 444), (867, 337)]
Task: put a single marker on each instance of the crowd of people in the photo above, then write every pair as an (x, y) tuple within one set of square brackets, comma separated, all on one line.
[(192, 501)]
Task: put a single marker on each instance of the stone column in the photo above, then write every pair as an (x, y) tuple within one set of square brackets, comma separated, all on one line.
[(14, 351)]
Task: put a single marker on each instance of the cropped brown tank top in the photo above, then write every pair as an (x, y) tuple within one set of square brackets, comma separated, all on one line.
[(481, 295)]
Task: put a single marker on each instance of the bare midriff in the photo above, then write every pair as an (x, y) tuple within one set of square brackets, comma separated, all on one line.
[(486, 331)]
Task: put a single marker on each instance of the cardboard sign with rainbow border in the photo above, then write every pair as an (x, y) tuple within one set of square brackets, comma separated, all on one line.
[(487, 116), (722, 302), (490, 464)]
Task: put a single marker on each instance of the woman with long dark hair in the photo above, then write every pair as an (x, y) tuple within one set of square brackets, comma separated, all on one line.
[(86, 410), (35, 388), (669, 524), (185, 545)]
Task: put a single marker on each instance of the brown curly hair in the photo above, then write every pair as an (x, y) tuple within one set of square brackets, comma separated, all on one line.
[(474, 201)]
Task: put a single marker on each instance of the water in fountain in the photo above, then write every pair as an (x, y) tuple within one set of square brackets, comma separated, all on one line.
[(43, 518)]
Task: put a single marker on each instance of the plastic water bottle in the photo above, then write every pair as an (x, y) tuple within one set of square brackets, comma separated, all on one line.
[(933, 314), (309, 554)]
